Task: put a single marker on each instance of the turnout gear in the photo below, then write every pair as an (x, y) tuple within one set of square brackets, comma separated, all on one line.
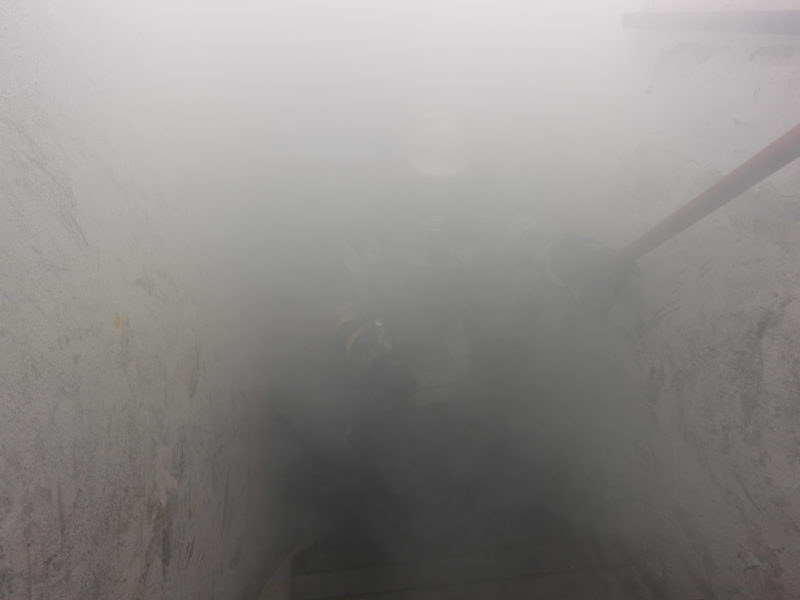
[(365, 341)]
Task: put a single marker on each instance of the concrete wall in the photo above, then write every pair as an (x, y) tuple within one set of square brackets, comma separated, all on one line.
[(705, 491), (131, 442)]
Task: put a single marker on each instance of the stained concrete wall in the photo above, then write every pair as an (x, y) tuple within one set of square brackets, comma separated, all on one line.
[(705, 490), (722, 351), (131, 415)]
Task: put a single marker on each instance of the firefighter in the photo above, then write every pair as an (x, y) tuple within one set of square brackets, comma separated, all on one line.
[(567, 275), (415, 289)]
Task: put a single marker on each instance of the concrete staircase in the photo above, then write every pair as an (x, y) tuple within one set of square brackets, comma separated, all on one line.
[(550, 572)]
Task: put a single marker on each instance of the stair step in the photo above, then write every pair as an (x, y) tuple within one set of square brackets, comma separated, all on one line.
[(613, 583), (383, 578), (337, 556)]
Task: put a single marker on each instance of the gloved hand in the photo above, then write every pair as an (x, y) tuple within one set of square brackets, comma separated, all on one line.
[(593, 276)]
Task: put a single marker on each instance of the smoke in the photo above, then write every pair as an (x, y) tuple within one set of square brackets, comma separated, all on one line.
[(285, 130)]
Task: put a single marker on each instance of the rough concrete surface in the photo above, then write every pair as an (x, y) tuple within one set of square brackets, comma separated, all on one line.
[(706, 491), (129, 441)]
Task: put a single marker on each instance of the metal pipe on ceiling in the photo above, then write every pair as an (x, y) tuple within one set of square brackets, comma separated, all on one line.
[(780, 22)]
